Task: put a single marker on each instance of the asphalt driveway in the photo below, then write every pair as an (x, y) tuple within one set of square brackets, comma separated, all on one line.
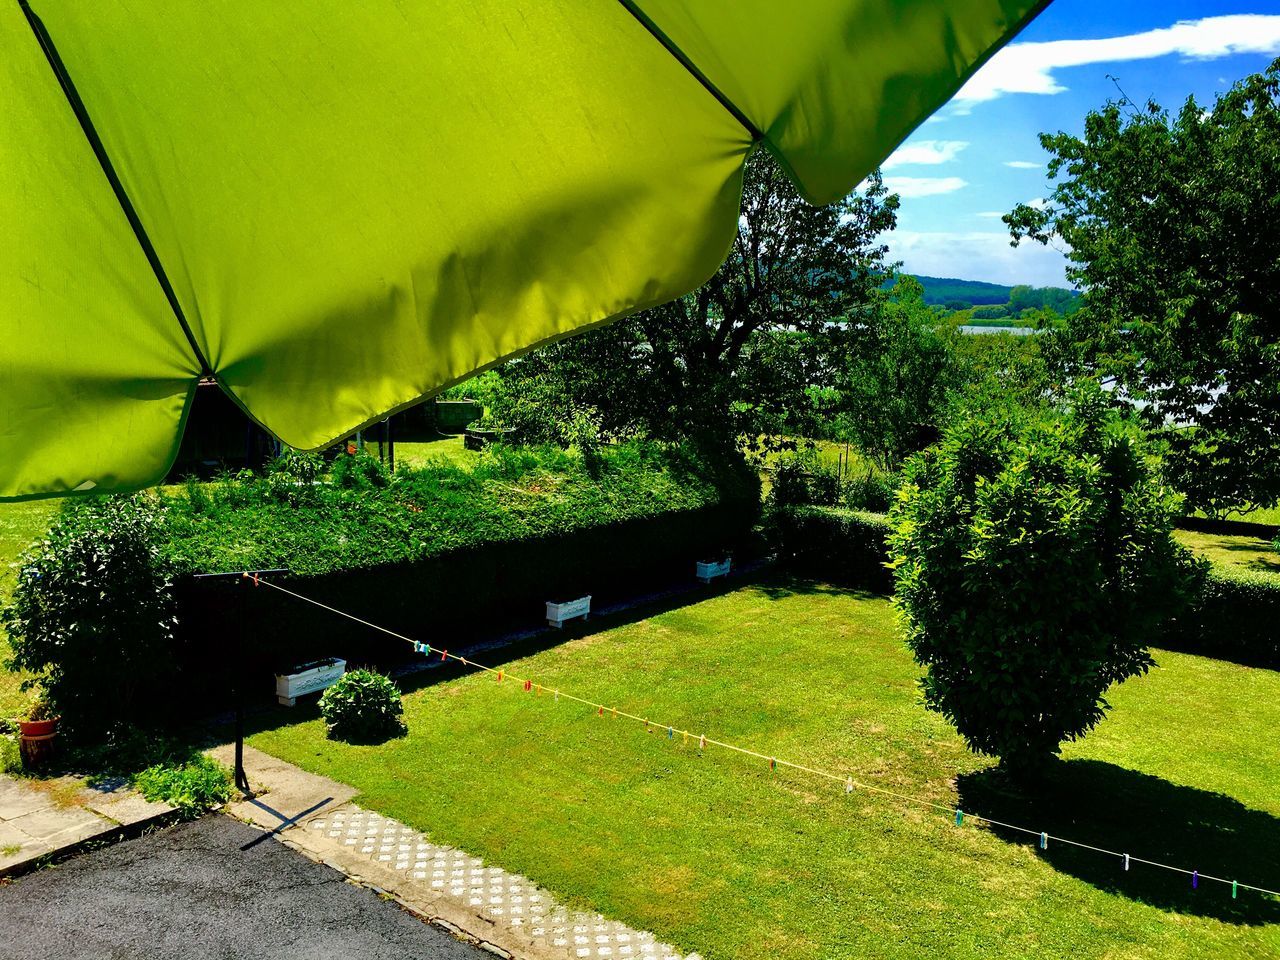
[(207, 889)]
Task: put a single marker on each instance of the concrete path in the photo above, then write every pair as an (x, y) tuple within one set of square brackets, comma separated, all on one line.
[(39, 818), (503, 911), (205, 890)]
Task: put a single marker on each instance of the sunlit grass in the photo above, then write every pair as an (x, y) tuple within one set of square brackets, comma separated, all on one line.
[(717, 854)]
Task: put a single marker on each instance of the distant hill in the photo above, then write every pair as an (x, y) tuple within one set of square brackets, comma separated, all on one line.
[(975, 292)]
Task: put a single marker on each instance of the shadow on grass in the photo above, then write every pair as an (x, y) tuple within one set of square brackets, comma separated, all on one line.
[(1108, 806), (493, 652)]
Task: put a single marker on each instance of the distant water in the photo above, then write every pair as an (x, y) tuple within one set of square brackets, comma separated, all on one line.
[(1016, 331)]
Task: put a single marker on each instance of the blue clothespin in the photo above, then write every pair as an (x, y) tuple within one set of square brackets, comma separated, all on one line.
[(959, 817), (1044, 841), (671, 732)]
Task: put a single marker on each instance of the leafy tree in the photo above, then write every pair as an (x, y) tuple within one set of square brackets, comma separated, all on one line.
[(735, 358), (899, 372), (92, 616), (1170, 221), (1033, 561)]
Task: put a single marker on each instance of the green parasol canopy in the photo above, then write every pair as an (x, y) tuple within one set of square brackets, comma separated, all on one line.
[(337, 208)]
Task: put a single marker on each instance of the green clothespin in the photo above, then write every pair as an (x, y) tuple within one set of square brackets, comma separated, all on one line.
[(959, 817)]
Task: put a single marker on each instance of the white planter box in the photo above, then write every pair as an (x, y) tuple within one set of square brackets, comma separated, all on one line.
[(558, 613), (708, 570), (308, 678)]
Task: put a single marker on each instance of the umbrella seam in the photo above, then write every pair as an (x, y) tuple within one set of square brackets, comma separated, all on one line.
[(692, 68), (104, 162)]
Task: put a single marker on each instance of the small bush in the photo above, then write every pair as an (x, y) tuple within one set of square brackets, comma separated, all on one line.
[(10, 756), (872, 491), (363, 707), (358, 471), (193, 787)]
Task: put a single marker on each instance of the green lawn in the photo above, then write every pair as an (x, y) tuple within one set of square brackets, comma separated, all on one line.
[(418, 454), (20, 524), (716, 854), (1252, 553)]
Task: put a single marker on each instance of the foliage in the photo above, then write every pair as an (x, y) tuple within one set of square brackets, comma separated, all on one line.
[(10, 755), (993, 312), (193, 787), (835, 544), (1170, 225), (735, 358), (511, 494), (358, 471), (1233, 614), (896, 378), (362, 707), (91, 617), (1033, 561)]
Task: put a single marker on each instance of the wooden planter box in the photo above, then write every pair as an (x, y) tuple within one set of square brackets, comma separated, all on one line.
[(558, 613), (708, 570), (308, 678)]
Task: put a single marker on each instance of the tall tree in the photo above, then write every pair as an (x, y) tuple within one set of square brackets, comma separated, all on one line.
[(899, 371), (1173, 230), (735, 358)]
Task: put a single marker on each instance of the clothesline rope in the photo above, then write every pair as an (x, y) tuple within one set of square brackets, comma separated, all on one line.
[(704, 741)]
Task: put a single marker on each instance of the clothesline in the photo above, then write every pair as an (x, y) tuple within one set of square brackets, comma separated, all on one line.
[(849, 783)]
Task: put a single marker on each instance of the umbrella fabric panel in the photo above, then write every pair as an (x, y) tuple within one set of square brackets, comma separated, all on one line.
[(94, 372), (835, 85), (358, 204)]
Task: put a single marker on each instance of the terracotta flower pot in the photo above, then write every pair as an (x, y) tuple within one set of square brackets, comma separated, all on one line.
[(35, 740)]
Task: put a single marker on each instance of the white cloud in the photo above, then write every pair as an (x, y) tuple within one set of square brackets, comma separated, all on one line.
[(977, 255), (1029, 67), (924, 186), (925, 152), (1023, 164)]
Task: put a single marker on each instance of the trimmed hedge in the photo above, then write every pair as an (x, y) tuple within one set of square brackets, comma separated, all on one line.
[(1235, 616), (836, 544), (443, 554)]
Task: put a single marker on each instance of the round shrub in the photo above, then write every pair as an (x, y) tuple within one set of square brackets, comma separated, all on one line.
[(363, 707), (1033, 560)]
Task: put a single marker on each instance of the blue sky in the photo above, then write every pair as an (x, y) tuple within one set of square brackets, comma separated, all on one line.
[(979, 155)]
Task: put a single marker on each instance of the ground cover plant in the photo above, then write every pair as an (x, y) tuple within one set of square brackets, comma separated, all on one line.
[(644, 829)]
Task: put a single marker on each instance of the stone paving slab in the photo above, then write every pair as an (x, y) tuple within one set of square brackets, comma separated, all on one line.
[(504, 911), (43, 817)]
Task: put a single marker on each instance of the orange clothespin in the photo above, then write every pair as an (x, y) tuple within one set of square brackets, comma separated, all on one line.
[(499, 676), (602, 709)]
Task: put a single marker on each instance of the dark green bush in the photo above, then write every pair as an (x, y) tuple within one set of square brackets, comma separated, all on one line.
[(363, 707), (1235, 614), (1034, 563), (842, 546), (358, 471), (872, 491), (92, 615)]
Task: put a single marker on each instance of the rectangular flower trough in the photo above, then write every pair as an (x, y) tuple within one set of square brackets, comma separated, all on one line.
[(708, 570), (558, 613), (308, 678)]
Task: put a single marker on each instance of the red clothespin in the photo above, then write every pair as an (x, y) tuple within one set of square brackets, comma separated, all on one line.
[(602, 709), (528, 685), (444, 655)]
